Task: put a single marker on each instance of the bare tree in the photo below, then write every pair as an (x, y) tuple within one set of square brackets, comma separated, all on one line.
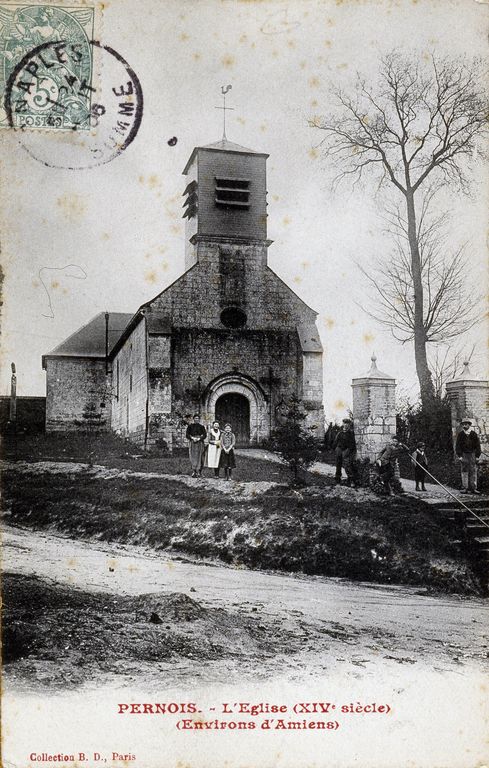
[(450, 303), (420, 125), (447, 363)]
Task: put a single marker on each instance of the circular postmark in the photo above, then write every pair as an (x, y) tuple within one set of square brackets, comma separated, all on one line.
[(65, 115)]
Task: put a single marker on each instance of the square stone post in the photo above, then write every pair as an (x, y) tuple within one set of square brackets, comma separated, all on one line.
[(374, 411)]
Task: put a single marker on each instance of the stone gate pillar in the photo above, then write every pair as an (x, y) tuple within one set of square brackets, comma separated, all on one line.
[(469, 398), (374, 411)]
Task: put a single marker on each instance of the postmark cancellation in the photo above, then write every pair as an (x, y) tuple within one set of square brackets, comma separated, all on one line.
[(73, 101)]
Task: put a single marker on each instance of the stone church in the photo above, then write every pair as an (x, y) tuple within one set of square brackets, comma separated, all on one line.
[(228, 339)]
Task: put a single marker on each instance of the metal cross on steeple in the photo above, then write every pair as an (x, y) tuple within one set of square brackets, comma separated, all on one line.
[(224, 90)]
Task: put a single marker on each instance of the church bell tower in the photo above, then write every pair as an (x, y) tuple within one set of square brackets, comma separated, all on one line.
[(225, 198)]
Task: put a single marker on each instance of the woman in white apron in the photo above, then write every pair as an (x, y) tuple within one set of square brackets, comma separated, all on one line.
[(214, 448)]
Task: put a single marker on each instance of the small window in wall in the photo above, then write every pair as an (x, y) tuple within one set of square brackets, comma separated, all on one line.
[(130, 382), (232, 193), (233, 317), (117, 380)]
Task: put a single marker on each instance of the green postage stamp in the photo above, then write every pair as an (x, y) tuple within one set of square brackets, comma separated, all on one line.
[(46, 66)]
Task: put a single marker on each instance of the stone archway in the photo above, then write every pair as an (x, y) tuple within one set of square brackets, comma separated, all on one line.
[(237, 384)]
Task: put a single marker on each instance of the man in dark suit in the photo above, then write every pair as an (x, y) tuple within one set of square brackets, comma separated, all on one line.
[(468, 450), (345, 451)]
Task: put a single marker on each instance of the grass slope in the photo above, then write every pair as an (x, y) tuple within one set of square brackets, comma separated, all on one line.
[(318, 530)]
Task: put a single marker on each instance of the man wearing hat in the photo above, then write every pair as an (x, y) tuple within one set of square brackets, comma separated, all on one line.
[(345, 451), (386, 463), (468, 450)]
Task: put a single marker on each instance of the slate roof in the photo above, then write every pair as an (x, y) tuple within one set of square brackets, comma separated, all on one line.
[(222, 146), (228, 146), (89, 340)]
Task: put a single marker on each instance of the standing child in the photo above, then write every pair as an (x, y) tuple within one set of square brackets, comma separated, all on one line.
[(420, 465), (228, 441)]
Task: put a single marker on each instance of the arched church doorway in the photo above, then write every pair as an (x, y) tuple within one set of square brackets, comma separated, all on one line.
[(235, 409), (238, 399)]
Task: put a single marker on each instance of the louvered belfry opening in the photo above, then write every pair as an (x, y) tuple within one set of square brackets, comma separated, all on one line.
[(232, 193), (191, 201)]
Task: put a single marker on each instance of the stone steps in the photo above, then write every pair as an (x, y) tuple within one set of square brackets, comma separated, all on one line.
[(473, 533), (477, 529)]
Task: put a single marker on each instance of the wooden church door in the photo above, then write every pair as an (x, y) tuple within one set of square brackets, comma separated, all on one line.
[(235, 409)]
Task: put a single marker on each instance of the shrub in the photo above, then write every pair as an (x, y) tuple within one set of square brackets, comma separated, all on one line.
[(293, 442), (431, 425)]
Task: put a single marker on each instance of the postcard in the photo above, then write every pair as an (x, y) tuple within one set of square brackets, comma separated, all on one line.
[(244, 388)]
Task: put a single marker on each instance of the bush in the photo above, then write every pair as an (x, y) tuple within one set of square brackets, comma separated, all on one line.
[(293, 442), (432, 425)]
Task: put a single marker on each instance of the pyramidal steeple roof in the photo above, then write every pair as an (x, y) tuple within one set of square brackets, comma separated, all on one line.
[(374, 373), (223, 146), (466, 374), (229, 146)]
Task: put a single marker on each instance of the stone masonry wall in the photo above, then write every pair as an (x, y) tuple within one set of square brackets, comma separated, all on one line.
[(251, 354), (210, 353), (160, 390), (312, 391), (312, 376), (76, 387), (227, 274), (193, 301), (374, 415), (129, 387)]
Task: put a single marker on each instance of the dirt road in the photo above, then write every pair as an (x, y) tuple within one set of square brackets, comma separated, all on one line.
[(372, 622), (425, 656)]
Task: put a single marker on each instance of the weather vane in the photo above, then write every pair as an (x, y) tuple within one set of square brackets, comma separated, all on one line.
[(224, 90)]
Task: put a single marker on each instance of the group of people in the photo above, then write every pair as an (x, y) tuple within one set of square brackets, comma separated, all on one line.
[(213, 449), (467, 449)]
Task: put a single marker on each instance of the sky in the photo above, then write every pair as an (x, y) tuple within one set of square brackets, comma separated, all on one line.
[(112, 237)]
